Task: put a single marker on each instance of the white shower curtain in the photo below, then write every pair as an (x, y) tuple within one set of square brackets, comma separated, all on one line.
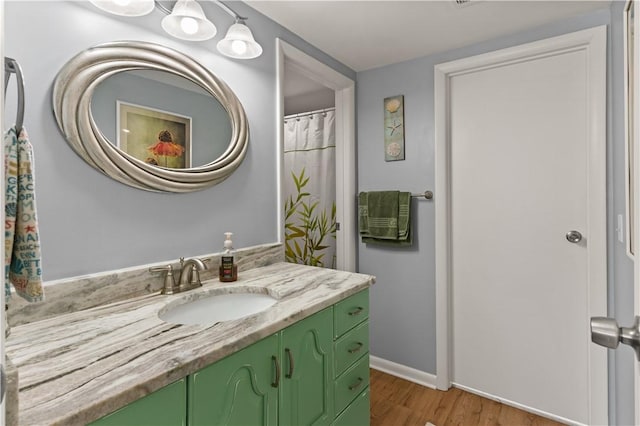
[(310, 189)]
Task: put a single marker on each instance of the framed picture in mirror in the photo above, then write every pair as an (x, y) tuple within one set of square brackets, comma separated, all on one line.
[(157, 137)]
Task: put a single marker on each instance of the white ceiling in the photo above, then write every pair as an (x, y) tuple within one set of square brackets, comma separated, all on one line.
[(368, 34)]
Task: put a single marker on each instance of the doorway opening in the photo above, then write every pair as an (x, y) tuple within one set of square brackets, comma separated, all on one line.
[(316, 116), (309, 181)]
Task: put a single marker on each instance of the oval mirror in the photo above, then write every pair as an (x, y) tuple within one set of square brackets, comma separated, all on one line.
[(150, 117)]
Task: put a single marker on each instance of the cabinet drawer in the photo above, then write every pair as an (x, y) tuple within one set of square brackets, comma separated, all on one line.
[(351, 383), (357, 413), (351, 346), (350, 312)]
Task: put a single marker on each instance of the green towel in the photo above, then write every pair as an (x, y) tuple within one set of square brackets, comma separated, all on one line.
[(385, 218), (382, 215), (363, 212), (404, 215)]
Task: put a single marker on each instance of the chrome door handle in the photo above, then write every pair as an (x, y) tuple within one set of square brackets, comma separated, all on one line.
[(605, 332), (574, 237)]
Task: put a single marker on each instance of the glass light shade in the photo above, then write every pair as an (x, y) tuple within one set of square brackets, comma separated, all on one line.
[(239, 43), (125, 7), (188, 22)]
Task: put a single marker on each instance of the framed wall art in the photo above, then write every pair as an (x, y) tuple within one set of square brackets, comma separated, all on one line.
[(394, 128), (156, 137)]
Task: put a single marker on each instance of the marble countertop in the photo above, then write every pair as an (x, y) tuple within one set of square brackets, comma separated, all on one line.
[(78, 367)]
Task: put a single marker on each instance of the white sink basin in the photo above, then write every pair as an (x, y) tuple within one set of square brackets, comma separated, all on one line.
[(216, 308)]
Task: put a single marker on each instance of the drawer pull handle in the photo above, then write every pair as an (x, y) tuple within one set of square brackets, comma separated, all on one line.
[(290, 356), (357, 384), (277, 365), (356, 311), (356, 348)]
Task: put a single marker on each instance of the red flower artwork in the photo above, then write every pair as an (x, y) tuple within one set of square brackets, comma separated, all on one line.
[(165, 147)]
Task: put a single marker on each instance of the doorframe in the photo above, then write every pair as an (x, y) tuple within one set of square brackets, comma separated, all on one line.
[(344, 89), (636, 178), (594, 42)]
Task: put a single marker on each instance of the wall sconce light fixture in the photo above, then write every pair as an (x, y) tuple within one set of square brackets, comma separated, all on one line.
[(125, 7), (239, 42), (187, 21)]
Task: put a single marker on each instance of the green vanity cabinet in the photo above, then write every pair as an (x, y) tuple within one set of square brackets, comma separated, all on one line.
[(164, 407), (314, 372), (284, 379), (238, 390), (306, 391)]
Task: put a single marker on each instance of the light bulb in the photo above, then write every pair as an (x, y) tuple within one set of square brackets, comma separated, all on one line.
[(122, 2), (239, 46), (189, 25)]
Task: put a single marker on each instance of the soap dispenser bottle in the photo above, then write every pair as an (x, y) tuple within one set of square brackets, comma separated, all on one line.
[(228, 269)]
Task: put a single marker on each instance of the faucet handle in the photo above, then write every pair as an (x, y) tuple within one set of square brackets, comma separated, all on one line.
[(195, 276), (169, 280)]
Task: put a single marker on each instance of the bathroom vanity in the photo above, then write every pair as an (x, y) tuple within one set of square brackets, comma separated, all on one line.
[(302, 360)]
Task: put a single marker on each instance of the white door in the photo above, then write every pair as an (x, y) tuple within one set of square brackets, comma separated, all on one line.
[(527, 225)]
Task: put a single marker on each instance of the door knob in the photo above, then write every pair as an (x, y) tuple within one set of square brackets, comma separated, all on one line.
[(574, 237), (605, 332)]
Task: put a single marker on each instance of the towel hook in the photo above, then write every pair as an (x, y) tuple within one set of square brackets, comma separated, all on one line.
[(11, 66)]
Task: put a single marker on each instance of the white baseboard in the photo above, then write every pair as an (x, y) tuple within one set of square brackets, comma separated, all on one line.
[(402, 371)]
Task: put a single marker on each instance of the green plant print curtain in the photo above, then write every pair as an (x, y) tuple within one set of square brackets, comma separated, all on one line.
[(310, 189)]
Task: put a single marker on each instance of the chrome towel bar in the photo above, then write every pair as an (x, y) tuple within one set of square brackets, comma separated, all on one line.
[(428, 195)]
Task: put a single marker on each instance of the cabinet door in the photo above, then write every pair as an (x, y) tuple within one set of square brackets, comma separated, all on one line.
[(306, 396), (237, 390), (164, 407)]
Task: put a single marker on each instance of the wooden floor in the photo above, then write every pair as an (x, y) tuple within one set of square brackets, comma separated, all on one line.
[(397, 402)]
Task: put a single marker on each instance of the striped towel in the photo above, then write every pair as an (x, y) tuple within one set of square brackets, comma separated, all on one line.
[(385, 218), (22, 263)]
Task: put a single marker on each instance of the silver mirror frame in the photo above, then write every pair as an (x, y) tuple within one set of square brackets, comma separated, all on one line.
[(72, 93)]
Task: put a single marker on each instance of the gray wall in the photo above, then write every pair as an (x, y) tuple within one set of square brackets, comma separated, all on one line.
[(91, 223), (403, 312)]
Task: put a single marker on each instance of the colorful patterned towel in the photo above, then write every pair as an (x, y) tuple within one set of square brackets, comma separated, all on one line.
[(22, 263)]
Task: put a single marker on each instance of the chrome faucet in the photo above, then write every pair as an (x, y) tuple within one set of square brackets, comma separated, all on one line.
[(189, 275)]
